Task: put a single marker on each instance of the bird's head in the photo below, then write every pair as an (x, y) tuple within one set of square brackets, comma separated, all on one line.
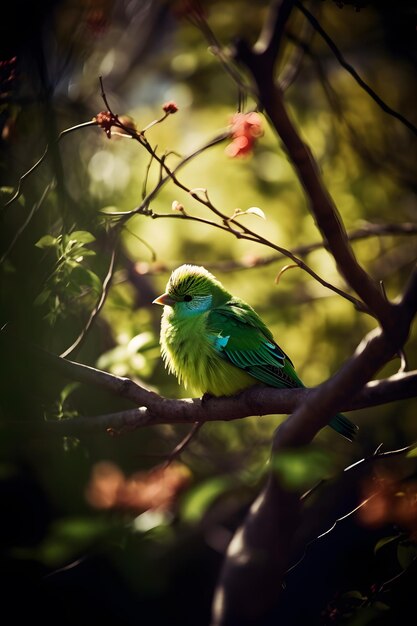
[(192, 290)]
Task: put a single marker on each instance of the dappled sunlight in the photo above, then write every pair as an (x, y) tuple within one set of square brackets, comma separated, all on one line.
[(108, 170), (271, 143)]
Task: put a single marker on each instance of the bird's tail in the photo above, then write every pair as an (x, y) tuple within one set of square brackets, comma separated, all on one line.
[(344, 426)]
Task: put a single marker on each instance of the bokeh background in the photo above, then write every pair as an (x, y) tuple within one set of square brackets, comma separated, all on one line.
[(74, 552)]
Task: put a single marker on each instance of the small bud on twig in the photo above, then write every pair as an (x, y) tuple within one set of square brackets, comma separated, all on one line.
[(177, 206), (106, 119), (170, 107)]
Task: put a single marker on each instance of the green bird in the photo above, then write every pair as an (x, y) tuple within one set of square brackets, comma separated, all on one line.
[(217, 344)]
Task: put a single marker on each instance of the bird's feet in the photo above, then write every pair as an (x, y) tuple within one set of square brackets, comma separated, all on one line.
[(205, 398)]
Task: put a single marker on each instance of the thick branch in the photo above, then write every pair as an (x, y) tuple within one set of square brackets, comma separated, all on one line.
[(339, 56), (321, 204), (117, 385), (373, 352), (269, 42), (155, 409), (261, 556), (260, 550)]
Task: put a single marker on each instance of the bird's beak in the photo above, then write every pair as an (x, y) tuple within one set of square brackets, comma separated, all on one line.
[(164, 300)]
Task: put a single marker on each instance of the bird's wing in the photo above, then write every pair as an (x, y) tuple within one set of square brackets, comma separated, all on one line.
[(240, 337)]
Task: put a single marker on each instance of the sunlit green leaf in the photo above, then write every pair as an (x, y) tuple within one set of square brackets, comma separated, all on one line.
[(200, 498), (80, 528), (299, 469), (412, 453), (47, 241), (81, 236), (67, 391)]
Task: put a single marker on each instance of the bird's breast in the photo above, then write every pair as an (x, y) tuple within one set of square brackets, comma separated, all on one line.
[(186, 348), (190, 352)]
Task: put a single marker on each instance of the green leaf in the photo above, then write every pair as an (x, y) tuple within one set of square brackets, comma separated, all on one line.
[(356, 595), (384, 541), (7, 192), (406, 554), (70, 537), (42, 297), (298, 469), (412, 453), (79, 529), (86, 277), (198, 500), (85, 252), (94, 281), (81, 236), (47, 241), (140, 342), (67, 390)]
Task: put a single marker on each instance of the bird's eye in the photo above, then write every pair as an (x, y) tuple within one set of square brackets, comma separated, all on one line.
[(187, 298)]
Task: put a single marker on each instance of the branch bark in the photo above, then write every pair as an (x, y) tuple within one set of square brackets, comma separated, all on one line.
[(260, 551), (256, 555), (153, 409), (320, 202)]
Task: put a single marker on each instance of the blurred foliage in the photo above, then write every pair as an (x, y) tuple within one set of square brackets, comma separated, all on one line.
[(56, 245)]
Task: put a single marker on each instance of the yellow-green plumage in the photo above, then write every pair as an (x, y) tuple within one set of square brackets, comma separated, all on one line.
[(217, 344), (191, 356)]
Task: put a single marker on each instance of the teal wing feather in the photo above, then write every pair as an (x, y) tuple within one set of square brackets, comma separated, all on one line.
[(241, 338)]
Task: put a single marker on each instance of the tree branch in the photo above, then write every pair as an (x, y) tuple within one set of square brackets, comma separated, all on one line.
[(364, 232), (269, 42), (154, 409), (256, 556), (99, 305), (265, 556), (321, 204), (117, 385), (259, 553), (339, 56)]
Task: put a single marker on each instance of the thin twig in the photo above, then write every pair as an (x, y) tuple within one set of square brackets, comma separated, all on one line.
[(321, 204), (18, 191), (226, 61), (95, 312), (337, 521), (349, 68), (376, 456), (143, 242), (179, 449), (293, 65), (269, 42), (249, 235), (370, 230), (145, 180), (141, 209), (32, 212)]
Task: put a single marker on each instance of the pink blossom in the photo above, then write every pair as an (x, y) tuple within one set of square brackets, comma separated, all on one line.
[(246, 129)]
